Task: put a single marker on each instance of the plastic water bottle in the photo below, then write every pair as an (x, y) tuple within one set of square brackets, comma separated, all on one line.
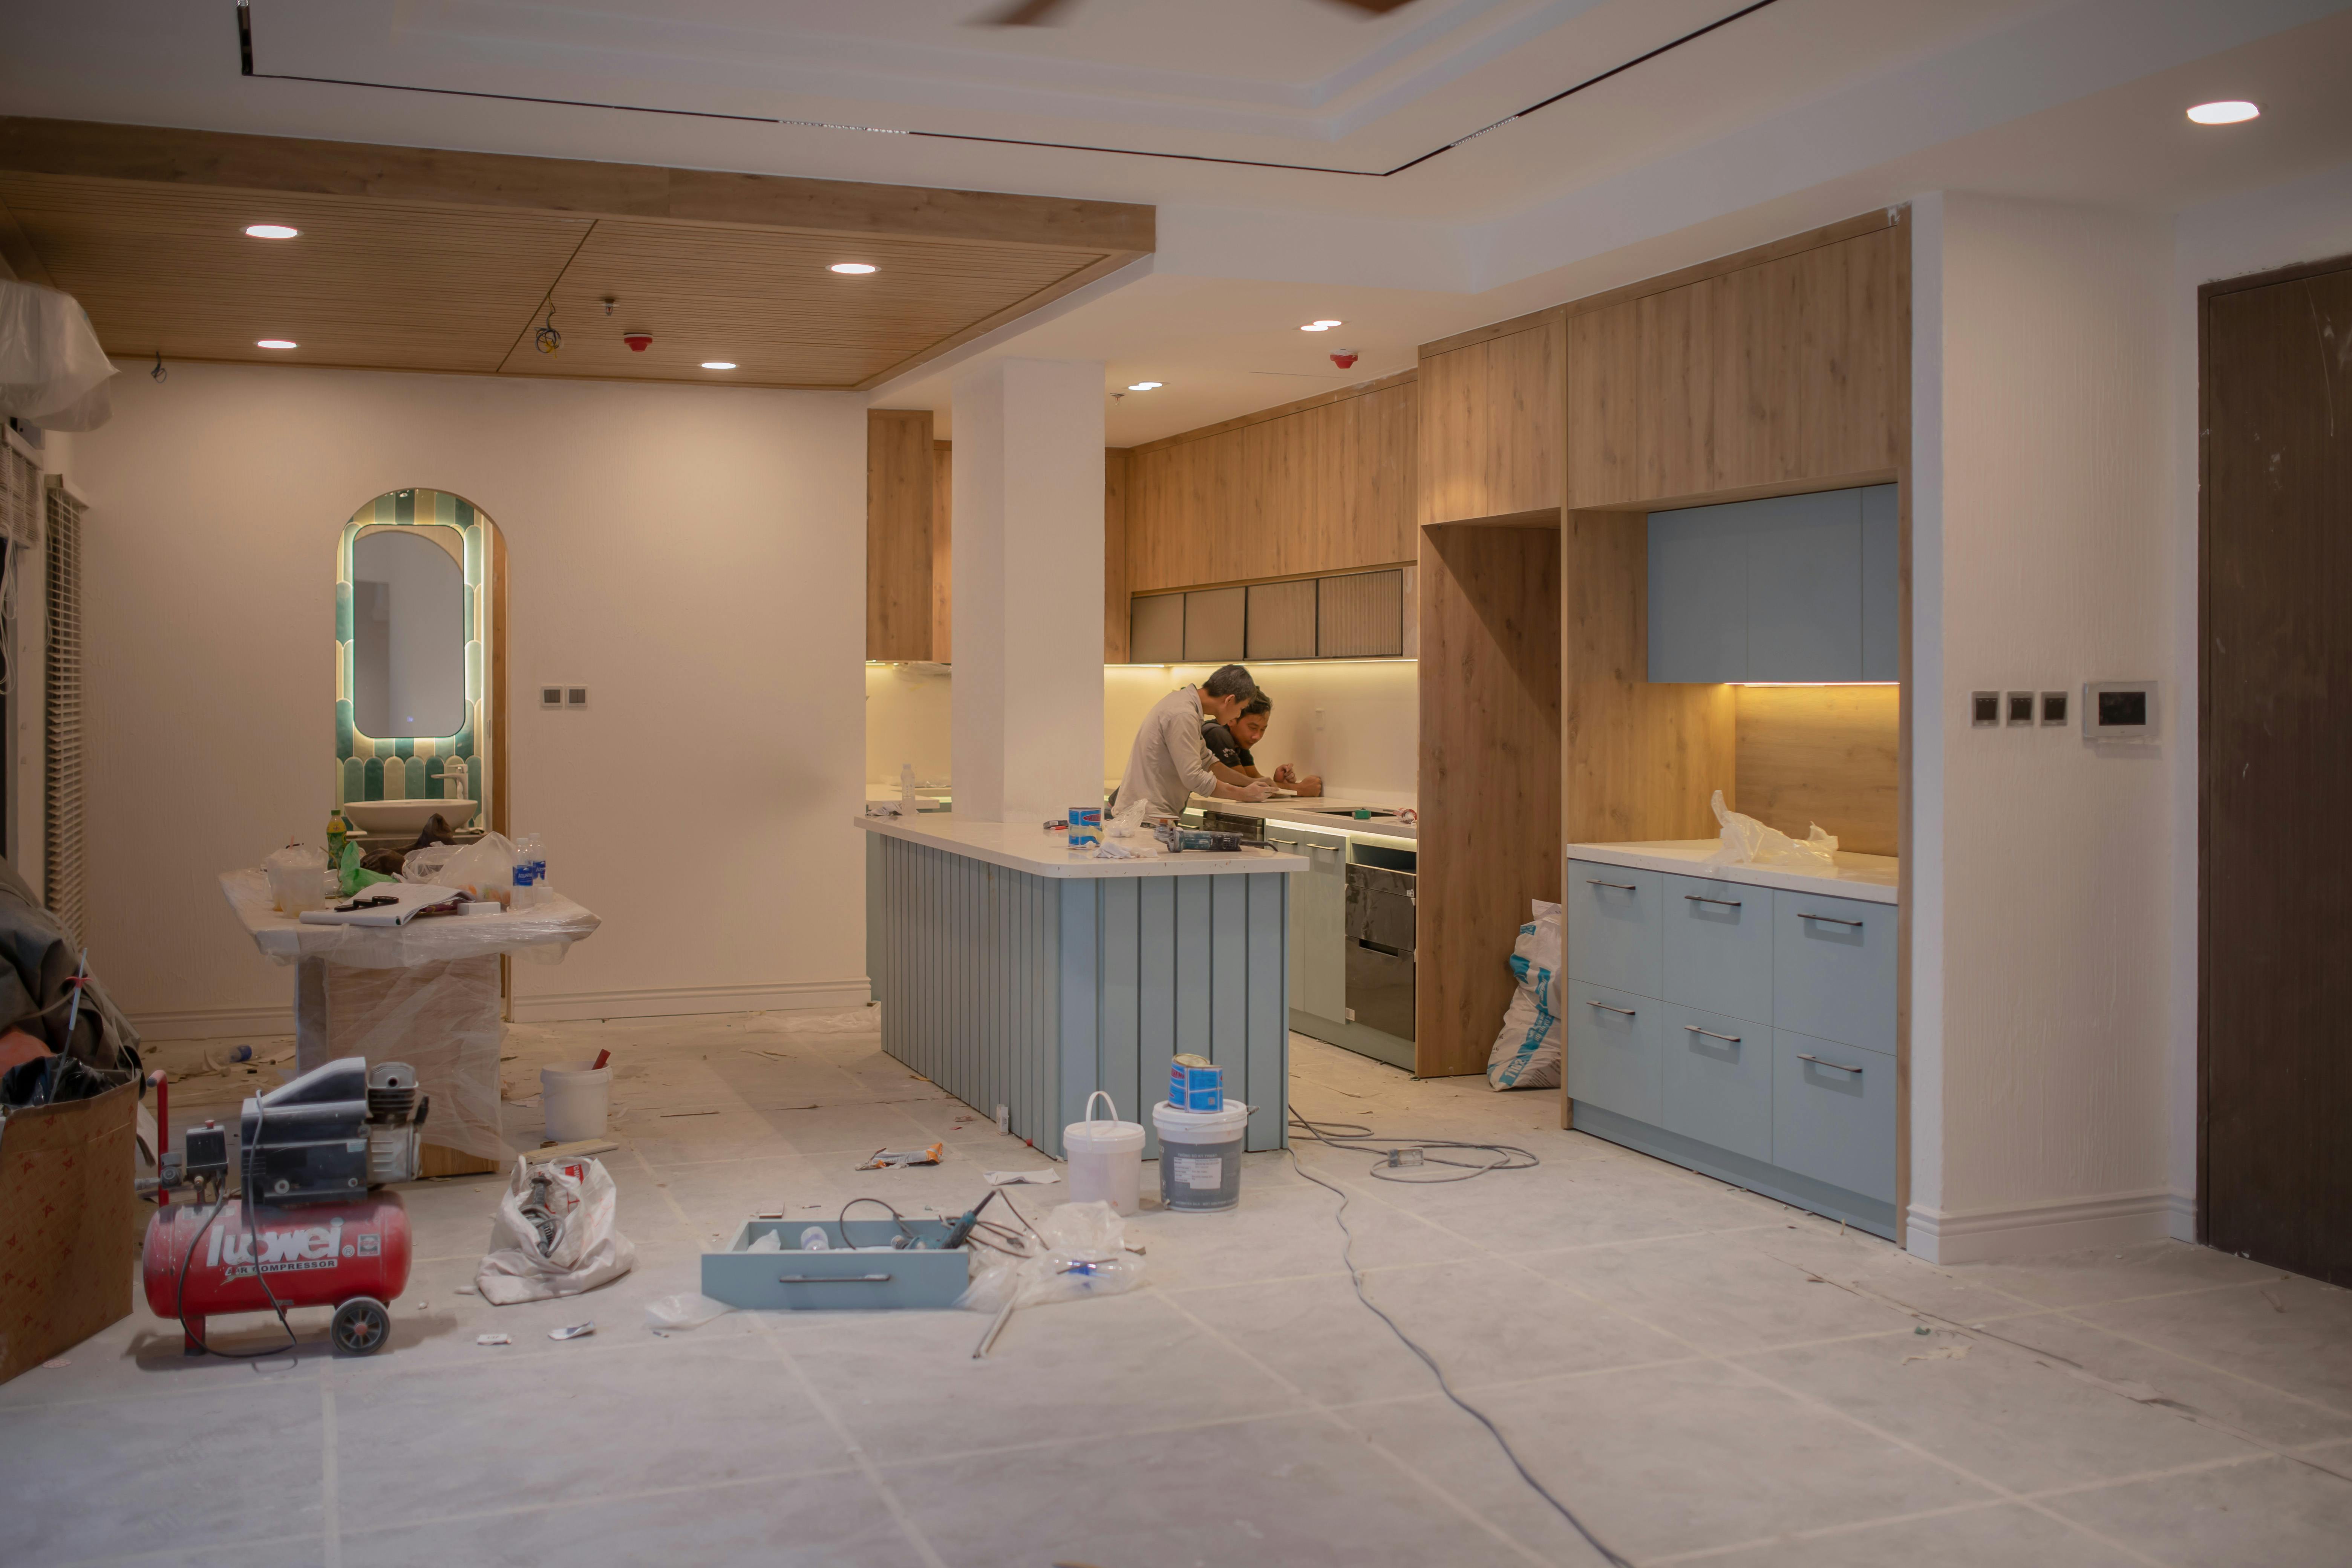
[(530, 872)]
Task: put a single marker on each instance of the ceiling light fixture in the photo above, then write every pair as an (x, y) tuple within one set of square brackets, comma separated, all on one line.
[(719, 364), (1144, 385), (270, 231), (1322, 326), (854, 268), (275, 343), (2225, 111)]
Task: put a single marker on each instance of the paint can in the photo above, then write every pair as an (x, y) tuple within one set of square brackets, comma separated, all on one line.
[(1200, 1155), (1106, 1157)]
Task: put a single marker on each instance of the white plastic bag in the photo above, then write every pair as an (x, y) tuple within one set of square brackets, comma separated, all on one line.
[(484, 868), (298, 877), (1085, 1254), (425, 865), (1526, 1054), (53, 372), (692, 1311), (585, 1251), (1747, 842)]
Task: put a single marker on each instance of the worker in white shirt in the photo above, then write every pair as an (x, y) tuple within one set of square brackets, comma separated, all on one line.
[(1169, 763)]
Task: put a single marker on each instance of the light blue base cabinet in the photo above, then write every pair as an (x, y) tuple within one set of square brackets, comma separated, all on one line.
[(1745, 1032), (1031, 992)]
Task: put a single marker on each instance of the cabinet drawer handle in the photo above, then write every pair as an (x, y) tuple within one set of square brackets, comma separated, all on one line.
[(833, 1278), (1711, 1034), (1818, 1063), (1625, 887), (1703, 899), (1829, 919), (1607, 1008)]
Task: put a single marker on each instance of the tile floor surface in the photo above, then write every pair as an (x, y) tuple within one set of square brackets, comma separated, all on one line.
[(1704, 1376)]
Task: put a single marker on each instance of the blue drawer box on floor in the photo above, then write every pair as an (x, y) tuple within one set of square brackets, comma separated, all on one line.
[(1746, 1032)]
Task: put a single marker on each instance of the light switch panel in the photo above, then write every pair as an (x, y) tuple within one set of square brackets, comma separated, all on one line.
[(2054, 707), (551, 696), (2020, 708), (1984, 709)]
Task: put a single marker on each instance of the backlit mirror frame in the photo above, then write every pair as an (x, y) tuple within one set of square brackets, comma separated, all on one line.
[(407, 767)]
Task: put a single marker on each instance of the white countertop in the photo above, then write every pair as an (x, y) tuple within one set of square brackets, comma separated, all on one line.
[(1300, 810), (1024, 847), (1869, 878)]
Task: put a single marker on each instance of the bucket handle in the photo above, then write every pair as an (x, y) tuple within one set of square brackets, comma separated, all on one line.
[(1103, 1095)]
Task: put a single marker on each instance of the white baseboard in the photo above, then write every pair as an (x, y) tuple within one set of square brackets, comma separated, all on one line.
[(2031, 1230), (213, 1023), (2180, 1216), (666, 1001)]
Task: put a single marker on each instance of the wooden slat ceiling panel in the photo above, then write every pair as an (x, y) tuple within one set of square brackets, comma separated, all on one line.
[(765, 299), (367, 283)]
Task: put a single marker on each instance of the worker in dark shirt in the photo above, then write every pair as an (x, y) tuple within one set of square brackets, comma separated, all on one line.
[(1230, 749)]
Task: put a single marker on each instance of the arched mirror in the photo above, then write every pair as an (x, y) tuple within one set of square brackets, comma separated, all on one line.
[(417, 587)]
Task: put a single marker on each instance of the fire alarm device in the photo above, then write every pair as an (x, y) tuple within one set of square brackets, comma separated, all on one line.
[(638, 341), (1345, 359), (2119, 709), (2020, 708), (1984, 709), (2054, 707)]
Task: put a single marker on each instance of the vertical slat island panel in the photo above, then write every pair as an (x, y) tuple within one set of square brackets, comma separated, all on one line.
[(1011, 972)]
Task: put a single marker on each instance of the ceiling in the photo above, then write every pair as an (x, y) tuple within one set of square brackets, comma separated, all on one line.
[(1799, 113), (382, 280)]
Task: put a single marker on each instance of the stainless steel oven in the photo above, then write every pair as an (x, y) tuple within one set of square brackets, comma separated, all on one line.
[(1381, 937)]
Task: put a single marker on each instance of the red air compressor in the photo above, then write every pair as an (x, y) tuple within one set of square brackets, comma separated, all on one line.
[(310, 1231)]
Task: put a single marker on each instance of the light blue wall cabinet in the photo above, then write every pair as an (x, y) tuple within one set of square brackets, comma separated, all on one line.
[(1744, 1031), (1787, 588)]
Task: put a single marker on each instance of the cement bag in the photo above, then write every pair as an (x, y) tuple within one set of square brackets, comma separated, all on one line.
[(554, 1234), (1526, 1054), (1747, 842)]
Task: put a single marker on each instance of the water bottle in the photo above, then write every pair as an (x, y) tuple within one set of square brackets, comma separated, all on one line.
[(530, 872)]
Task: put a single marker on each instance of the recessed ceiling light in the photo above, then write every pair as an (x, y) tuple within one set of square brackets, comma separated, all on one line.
[(270, 231), (1329, 322), (275, 343), (2227, 111), (1144, 385), (854, 268), (719, 364)]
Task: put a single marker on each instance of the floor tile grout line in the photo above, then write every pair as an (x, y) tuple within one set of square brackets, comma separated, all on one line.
[(2071, 1313), (1851, 1527), (1341, 1424), (864, 1461)]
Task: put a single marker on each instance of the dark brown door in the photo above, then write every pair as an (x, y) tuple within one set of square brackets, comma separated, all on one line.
[(2276, 787)]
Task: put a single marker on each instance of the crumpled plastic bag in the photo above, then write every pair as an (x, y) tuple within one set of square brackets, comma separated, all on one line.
[(1747, 842), (666, 1313), (350, 875), (485, 868), (1085, 1254), (425, 864), (556, 1239), (298, 877)]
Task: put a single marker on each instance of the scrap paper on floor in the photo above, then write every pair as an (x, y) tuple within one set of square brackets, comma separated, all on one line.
[(891, 1159)]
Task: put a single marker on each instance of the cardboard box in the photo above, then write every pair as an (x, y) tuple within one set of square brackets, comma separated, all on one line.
[(68, 1225)]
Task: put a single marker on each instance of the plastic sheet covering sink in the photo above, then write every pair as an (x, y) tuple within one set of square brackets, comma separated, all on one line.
[(544, 932)]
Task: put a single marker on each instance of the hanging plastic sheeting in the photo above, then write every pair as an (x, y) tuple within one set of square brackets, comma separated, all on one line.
[(53, 373)]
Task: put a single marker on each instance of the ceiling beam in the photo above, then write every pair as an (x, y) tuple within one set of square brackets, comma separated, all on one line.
[(438, 177)]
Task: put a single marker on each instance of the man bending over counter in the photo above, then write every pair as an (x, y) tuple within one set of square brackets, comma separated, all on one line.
[(1169, 763), (1230, 746)]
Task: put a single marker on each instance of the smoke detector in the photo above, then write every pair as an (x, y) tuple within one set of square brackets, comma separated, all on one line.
[(1345, 359), (638, 341)]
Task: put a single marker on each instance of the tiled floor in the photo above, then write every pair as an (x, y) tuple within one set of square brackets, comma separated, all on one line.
[(1704, 1376)]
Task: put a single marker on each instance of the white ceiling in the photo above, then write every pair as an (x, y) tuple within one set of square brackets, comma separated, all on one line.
[(1803, 112)]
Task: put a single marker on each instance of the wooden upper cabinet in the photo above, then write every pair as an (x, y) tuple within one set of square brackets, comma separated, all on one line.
[(1781, 372), (1493, 424), (901, 608), (1324, 485)]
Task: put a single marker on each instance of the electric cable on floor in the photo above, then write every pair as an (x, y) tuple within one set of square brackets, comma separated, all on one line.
[(1348, 1135), (1355, 1136)]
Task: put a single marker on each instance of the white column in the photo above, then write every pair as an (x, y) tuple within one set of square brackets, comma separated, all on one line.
[(1026, 733)]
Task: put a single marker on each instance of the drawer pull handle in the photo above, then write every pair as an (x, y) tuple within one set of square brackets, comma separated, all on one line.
[(1607, 1008), (1829, 919), (1711, 1034), (1818, 1063), (1622, 887), (1703, 899), (833, 1278)]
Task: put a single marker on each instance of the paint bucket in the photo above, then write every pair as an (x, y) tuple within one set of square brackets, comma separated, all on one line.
[(1106, 1157), (1200, 1155), (576, 1096)]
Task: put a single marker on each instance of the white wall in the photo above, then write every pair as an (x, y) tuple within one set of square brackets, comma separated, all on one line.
[(2253, 231), (2043, 879), (695, 556)]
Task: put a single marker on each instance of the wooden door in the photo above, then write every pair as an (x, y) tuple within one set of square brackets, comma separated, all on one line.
[(2276, 862)]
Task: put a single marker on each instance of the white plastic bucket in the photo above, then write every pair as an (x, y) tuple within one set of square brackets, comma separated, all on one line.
[(1106, 1158), (1200, 1155), (576, 1098)]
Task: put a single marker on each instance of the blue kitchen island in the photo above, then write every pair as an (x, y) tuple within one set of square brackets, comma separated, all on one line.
[(1013, 971)]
